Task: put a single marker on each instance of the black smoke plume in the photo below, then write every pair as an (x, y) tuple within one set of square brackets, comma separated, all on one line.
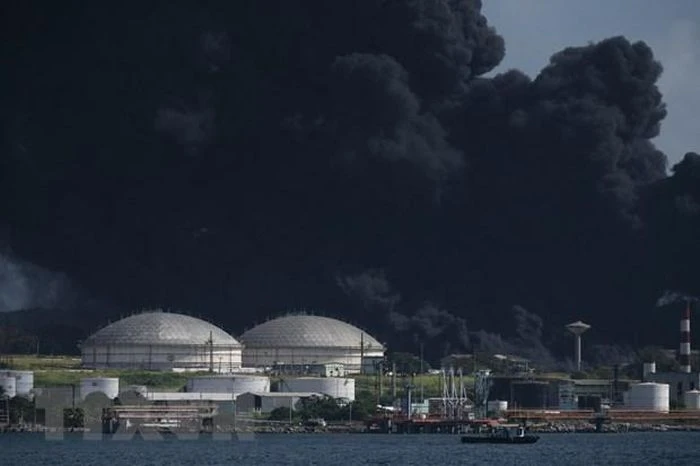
[(231, 158)]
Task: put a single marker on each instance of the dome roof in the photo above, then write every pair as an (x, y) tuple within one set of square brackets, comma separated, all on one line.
[(296, 331), (165, 328)]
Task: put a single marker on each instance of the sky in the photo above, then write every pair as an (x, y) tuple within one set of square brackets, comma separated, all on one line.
[(535, 29)]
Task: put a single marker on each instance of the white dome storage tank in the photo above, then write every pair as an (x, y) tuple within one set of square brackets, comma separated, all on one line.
[(649, 396), (24, 381), (497, 406), (9, 386), (299, 340), (335, 387), (229, 384), (161, 341), (691, 400), (107, 385)]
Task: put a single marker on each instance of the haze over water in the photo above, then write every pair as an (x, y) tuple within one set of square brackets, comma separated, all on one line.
[(677, 448)]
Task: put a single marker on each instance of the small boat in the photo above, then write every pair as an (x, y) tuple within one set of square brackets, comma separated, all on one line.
[(501, 434)]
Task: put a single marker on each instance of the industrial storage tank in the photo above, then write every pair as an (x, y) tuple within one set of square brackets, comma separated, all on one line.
[(691, 400), (161, 341), (300, 340), (530, 394), (228, 384), (648, 368), (337, 387), (9, 386), (24, 381), (107, 385), (497, 406), (649, 396)]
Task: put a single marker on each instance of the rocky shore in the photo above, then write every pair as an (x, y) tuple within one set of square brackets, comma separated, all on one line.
[(356, 428)]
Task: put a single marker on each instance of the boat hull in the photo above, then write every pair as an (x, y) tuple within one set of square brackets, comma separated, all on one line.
[(500, 440)]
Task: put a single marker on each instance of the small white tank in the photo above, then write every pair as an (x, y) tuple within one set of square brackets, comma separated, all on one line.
[(691, 400), (107, 385), (24, 381), (497, 406), (9, 386), (649, 396), (229, 384)]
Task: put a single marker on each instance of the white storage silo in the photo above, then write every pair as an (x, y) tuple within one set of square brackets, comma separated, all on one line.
[(229, 384), (336, 387), (691, 400), (649, 396), (107, 385), (9, 386), (24, 381), (497, 406)]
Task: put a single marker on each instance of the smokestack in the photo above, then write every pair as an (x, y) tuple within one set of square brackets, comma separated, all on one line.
[(684, 358)]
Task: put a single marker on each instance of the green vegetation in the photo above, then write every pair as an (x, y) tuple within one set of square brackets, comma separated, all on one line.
[(30, 362), (327, 408), (431, 384)]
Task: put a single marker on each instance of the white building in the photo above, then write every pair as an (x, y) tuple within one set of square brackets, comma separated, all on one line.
[(305, 339), (162, 341)]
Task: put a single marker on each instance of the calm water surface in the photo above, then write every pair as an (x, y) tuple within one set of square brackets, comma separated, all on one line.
[(672, 448)]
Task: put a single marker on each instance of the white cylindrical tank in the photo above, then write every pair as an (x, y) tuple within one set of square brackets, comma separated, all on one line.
[(496, 406), (107, 385), (337, 387), (9, 386), (648, 368), (229, 384), (691, 400), (24, 381), (649, 396)]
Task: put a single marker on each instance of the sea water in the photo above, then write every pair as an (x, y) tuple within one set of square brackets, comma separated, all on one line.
[(657, 448)]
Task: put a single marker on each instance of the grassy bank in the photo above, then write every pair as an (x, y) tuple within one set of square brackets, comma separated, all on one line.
[(52, 371)]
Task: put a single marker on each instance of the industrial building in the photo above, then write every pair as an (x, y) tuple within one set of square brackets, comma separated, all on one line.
[(298, 340), (161, 341)]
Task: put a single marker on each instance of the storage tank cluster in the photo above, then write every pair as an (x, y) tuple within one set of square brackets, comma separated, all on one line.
[(228, 384), (336, 387), (107, 385), (23, 382), (648, 396)]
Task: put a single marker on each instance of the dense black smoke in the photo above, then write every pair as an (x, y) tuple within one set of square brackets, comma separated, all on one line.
[(235, 159)]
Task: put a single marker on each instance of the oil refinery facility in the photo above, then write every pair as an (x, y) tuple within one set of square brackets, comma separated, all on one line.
[(296, 357)]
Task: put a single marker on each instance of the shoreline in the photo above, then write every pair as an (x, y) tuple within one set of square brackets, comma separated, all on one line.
[(569, 428)]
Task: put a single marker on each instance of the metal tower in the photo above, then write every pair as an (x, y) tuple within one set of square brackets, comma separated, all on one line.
[(577, 328), (482, 384)]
